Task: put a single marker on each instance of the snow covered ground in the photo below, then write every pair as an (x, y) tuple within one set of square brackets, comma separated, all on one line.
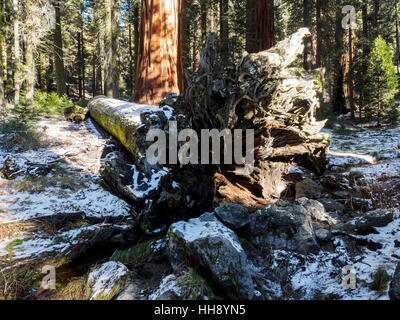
[(59, 176), (373, 153)]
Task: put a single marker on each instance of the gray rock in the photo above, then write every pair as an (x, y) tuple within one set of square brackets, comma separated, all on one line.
[(183, 286), (283, 225), (367, 223), (14, 168), (315, 209), (359, 204), (75, 114), (308, 188), (332, 205), (323, 234), (130, 292), (233, 215), (394, 291), (105, 280), (211, 245)]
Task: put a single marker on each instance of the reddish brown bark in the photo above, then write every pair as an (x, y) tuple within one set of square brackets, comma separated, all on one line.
[(260, 25), (159, 68)]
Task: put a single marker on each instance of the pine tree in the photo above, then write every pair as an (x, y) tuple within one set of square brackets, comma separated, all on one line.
[(381, 84)]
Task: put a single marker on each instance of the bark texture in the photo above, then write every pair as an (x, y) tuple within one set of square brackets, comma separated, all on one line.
[(260, 25), (159, 69)]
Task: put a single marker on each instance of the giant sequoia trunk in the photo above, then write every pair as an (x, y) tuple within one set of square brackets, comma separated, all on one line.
[(159, 70), (267, 92), (260, 25)]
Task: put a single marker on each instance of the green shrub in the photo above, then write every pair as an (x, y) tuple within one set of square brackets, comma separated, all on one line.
[(139, 253), (50, 103), (380, 280)]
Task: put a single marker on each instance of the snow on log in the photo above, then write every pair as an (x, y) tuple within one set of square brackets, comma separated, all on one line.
[(121, 118)]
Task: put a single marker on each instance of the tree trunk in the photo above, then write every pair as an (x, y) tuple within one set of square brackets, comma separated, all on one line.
[(31, 75), (260, 25), (131, 56), (79, 58), (94, 78), (17, 59), (99, 63), (41, 73), (351, 72), (365, 52), (111, 48), (376, 18), (397, 39), (1, 54), (159, 69), (136, 15), (318, 7), (83, 66), (308, 43), (58, 53), (224, 31), (203, 21), (338, 101)]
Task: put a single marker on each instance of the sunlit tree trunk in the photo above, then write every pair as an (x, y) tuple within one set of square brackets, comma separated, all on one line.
[(32, 40), (131, 58), (136, 17), (203, 20), (17, 55), (159, 68), (260, 25), (99, 72), (111, 48), (58, 53), (81, 54)]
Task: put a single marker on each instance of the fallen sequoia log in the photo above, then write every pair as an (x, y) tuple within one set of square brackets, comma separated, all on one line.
[(269, 92)]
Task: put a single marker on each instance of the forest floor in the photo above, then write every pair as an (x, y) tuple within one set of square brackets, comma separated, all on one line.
[(54, 209)]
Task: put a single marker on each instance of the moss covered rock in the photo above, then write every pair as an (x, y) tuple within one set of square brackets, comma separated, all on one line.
[(75, 114), (210, 245)]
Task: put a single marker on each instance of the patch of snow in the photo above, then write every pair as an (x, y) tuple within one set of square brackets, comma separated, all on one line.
[(130, 111), (31, 248), (104, 278), (75, 150), (143, 185), (321, 274), (169, 283), (198, 229)]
